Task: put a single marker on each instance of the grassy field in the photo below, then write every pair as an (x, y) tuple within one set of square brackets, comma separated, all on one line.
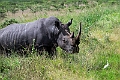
[(100, 42)]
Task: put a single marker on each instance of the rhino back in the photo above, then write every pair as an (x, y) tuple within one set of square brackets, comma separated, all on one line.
[(17, 35)]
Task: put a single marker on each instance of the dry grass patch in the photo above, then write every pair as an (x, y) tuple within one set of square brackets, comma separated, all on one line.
[(115, 35), (98, 34)]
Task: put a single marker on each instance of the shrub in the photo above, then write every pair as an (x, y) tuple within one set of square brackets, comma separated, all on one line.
[(8, 22), (2, 14)]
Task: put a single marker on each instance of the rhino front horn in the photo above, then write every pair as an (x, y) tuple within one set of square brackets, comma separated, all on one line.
[(78, 35)]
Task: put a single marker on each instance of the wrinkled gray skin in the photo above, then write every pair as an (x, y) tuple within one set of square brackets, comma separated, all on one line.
[(48, 33)]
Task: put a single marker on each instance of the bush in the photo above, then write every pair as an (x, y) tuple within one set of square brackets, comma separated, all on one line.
[(8, 22), (2, 14)]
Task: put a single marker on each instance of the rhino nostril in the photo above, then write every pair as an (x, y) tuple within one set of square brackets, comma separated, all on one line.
[(70, 50)]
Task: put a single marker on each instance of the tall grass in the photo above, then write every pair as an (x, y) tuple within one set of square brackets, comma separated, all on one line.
[(100, 42)]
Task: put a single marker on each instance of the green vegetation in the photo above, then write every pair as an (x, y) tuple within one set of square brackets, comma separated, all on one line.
[(100, 41), (8, 22)]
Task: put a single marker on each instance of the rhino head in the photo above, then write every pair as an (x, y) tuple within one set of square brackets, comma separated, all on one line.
[(67, 41)]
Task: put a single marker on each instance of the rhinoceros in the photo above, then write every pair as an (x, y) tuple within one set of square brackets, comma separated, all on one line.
[(47, 33)]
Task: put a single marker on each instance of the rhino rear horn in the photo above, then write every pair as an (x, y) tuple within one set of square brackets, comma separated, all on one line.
[(78, 35), (70, 22), (72, 35)]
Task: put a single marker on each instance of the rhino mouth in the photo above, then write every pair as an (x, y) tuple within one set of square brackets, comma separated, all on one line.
[(68, 51), (71, 51)]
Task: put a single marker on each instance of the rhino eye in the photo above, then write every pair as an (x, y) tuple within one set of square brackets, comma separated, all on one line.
[(64, 40)]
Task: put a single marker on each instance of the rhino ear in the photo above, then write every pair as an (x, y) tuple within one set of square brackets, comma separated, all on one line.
[(70, 22), (57, 24)]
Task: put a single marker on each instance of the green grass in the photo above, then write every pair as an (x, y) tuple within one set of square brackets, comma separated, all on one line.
[(100, 41)]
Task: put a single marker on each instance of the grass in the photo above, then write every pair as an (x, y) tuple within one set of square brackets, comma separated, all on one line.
[(100, 42)]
